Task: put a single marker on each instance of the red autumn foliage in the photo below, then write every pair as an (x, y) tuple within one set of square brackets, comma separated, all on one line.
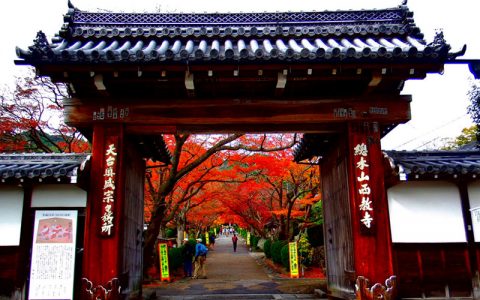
[(32, 119)]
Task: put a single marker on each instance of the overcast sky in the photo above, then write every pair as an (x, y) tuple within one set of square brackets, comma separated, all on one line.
[(439, 101)]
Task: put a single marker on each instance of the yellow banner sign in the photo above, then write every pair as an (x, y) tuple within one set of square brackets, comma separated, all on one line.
[(163, 255), (207, 240), (248, 238), (292, 251)]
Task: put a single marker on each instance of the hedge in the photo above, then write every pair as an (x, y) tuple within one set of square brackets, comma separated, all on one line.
[(254, 242), (267, 248), (175, 257), (276, 250), (284, 252)]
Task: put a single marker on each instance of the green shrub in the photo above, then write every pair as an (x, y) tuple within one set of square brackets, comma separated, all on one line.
[(171, 233), (305, 250), (276, 251), (285, 258), (267, 248), (175, 258), (254, 242)]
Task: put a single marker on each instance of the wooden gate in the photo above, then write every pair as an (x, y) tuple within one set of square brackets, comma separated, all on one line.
[(336, 74)]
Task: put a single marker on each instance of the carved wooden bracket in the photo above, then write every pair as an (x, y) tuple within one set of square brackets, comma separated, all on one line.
[(110, 292), (377, 291)]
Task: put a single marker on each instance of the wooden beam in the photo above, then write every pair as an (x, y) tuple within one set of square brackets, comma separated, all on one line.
[(235, 128), (218, 113)]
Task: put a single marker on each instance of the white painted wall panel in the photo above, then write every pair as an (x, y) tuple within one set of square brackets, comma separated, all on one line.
[(426, 212), (11, 207), (474, 197), (58, 195)]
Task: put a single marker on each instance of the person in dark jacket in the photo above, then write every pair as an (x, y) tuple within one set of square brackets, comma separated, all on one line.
[(234, 241), (188, 252)]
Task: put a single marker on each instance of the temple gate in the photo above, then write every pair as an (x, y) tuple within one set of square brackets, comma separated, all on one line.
[(334, 76)]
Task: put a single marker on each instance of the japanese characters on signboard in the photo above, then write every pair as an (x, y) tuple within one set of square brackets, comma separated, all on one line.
[(163, 255), (108, 193), (53, 255), (293, 257), (363, 192)]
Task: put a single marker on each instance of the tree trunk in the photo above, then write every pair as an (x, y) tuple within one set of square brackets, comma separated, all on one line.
[(180, 231), (282, 235), (151, 237)]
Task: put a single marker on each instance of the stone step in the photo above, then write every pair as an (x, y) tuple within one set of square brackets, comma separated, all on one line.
[(238, 297)]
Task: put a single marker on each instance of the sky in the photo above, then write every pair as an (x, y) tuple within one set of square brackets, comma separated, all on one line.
[(439, 105)]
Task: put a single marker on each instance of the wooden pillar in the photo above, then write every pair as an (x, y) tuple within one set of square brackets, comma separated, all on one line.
[(102, 258), (369, 210)]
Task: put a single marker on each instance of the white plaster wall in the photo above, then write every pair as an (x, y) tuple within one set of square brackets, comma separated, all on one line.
[(474, 197), (426, 212), (11, 207), (58, 195)]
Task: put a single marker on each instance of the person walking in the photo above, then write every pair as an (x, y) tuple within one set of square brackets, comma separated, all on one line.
[(188, 252), (200, 260), (234, 241), (212, 241)]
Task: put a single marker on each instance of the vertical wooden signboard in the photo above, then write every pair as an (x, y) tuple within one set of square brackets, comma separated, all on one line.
[(108, 198), (363, 191), (163, 256), (369, 208), (53, 255), (293, 257)]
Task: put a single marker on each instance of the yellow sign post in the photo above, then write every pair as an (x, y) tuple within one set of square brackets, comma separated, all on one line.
[(207, 240), (163, 255), (248, 238), (292, 251)]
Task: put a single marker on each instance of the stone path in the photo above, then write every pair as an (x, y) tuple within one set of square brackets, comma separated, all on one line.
[(234, 275)]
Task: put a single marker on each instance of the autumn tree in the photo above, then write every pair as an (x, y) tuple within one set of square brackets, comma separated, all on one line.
[(194, 189), (185, 161), (280, 192), (31, 118)]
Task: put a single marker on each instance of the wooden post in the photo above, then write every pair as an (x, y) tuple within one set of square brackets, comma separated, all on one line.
[(369, 208), (103, 235)]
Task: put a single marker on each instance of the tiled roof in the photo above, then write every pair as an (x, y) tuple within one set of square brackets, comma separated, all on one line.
[(388, 34), (435, 164), (40, 167)]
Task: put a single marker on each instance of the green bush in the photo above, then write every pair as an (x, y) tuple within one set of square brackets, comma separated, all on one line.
[(285, 257), (171, 233), (175, 258), (267, 248), (305, 250), (254, 242), (276, 251)]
